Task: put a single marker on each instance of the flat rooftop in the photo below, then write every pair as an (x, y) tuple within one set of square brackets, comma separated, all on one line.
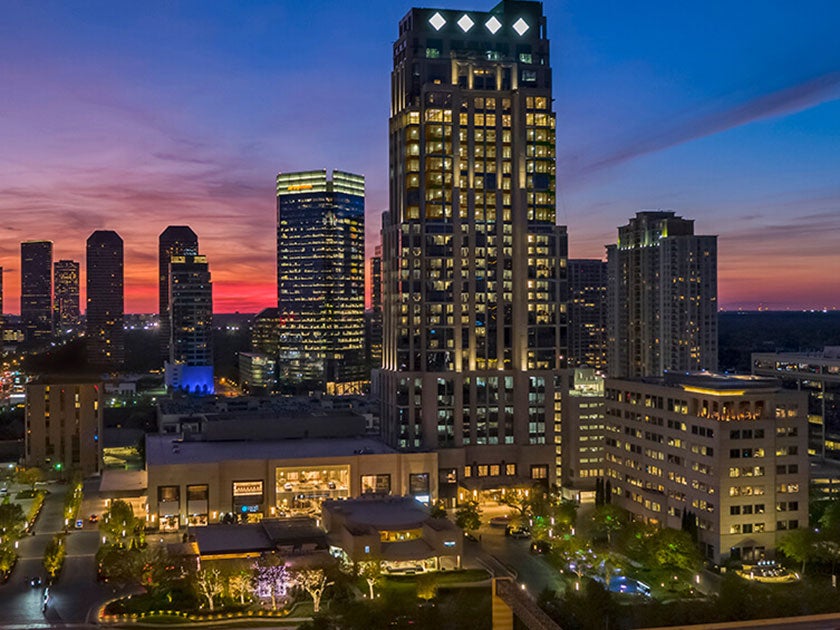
[(167, 449), (711, 382), (380, 512)]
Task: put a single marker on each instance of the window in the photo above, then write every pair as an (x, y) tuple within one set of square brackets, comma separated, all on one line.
[(418, 486), (510, 470), (539, 471), (168, 493), (376, 484), (448, 475), (197, 493), (494, 470), (467, 472), (482, 470)]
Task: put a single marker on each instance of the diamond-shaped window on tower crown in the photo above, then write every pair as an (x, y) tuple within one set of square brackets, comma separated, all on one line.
[(437, 21), (493, 25), (521, 26), (465, 22)]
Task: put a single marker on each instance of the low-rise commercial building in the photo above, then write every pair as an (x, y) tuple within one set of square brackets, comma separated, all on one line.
[(395, 530), (193, 481), (732, 450)]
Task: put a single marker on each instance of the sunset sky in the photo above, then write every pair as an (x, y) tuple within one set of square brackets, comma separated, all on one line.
[(133, 116)]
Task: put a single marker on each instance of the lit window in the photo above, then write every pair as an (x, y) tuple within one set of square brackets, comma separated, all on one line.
[(493, 25), (520, 26)]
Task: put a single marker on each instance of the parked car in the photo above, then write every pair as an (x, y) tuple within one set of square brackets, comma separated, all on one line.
[(470, 536), (520, 533), (500, 521), (79, 523), (94, 518)]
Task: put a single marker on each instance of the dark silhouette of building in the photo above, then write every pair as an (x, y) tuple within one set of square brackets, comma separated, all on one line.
[(588, 313), (321, 282), (374, 317), (66, 300), (190, 306), (175, 240), (105, 301), (36, 261)]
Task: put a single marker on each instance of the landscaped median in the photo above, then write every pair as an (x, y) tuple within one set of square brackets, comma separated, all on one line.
[(174, 617)]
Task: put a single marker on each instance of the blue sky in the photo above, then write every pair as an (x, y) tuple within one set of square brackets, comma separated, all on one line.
[(133, 116)]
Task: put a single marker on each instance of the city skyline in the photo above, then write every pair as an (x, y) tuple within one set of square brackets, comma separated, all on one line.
[(737, 131)]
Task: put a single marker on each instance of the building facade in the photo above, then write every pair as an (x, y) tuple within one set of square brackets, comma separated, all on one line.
[(321, 282), (66, 298), (818, 374), (36, 262), (190, 307), (374, 326), (588, 313), (662, 297), (105, 326), (175, 240), (473, 265), (582, 445), (195, 483), (257, 373), (64, 424), (730, 450)]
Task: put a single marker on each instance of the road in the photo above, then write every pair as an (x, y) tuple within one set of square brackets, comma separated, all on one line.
[(75, 595)]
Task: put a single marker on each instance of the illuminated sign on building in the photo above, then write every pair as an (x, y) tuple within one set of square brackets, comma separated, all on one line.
[(247, 488)]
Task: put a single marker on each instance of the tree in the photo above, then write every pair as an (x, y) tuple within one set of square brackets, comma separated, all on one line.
[(120, 527), (468, 516), (517, 500), (273, 578), (371, 571), (599, 492), (427, 586), (209, 584), (799, 545), (608, 492), (54, 555), (438, 510), (30, 476), (11, 519), (314, 582), (830, 521), (675, 549), (8, 556), (239, 583), (608, 519)]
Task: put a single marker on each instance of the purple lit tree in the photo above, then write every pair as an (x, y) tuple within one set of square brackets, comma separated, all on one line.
[(273, 579)]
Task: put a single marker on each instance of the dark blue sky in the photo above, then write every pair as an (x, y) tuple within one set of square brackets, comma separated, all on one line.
[(136, 115)]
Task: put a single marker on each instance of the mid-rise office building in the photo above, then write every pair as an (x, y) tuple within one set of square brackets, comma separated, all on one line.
[(64, 424), (662, 296), (473, 264), (36, 261), (175, 240), (730, 450), (588, 313), (256, 373), (321, 282), (581, 453), (190, 307), (66, 295), (105, 330), (818, 374)]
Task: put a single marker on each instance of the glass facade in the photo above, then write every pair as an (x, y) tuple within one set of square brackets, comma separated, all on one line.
[(301, 489), (320, 282)]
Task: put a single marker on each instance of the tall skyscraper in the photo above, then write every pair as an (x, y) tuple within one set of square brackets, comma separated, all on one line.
[(36, 290), (662, 298), (1, 299), (175, 240), (105, 300), (66, 299), (474, 331), (190, 307), (588, 313), (321, 281)]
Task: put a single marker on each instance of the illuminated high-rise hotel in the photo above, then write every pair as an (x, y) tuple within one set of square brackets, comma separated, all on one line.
[(473, 263), (662, 298), (321, 282)]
